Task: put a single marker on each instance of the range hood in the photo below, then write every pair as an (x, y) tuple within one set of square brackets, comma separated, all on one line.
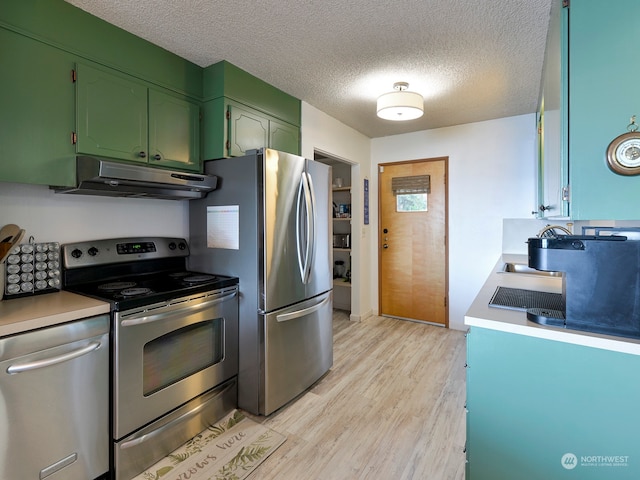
[(98, 176)]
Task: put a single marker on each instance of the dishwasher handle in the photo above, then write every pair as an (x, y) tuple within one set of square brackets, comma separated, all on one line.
[(46, 362)]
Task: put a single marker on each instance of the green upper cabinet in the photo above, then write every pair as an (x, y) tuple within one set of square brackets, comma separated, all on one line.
[(151, 96), (242, 112), (284, 137), (112, 115), (597, 95), (121, 118), (174, 132), (36, 112), (249, 129)]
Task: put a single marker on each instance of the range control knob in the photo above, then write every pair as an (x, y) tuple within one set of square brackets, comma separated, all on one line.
[(93, 251), (172, 245), (76, 253), (182, 246)]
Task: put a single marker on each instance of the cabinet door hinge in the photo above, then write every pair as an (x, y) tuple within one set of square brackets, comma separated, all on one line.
[(74, 76), (228, 114), (228, 145), (445, 301), (566, 193), (74, 138)]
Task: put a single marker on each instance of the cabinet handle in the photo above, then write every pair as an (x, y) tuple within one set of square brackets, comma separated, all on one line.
[(157, 156), (142, 154)]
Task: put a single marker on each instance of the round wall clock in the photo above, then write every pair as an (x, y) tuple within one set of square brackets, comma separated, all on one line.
[(623, 153)]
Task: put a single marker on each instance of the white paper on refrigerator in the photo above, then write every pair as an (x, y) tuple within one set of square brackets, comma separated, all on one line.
[(223, 227)]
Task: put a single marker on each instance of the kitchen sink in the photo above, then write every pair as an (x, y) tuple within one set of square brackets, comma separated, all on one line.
[(524, 268)]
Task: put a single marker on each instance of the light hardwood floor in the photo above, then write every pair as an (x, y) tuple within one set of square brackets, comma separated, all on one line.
[(391, 407)]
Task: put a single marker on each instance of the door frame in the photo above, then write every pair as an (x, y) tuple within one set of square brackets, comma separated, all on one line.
[(446, 231)]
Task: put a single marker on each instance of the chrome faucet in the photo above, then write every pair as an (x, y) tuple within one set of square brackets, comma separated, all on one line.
[(550, 231)]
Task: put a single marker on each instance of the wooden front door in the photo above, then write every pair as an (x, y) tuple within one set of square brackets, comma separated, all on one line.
[(412, 255)]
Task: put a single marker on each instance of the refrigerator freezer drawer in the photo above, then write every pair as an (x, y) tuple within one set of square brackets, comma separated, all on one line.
[(298, 350)]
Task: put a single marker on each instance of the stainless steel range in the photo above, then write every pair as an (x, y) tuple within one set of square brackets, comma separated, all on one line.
[(174, 337)]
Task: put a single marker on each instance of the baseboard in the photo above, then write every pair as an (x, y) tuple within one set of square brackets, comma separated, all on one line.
[(360, 318)]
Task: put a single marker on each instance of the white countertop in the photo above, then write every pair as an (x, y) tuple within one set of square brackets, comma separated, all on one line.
[(480, 314), (18, 315)]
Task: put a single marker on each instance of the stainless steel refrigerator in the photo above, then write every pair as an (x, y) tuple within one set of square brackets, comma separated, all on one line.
[(268, 223)]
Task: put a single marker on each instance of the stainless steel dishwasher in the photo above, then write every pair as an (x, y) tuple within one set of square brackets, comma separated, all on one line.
[(54, 402)]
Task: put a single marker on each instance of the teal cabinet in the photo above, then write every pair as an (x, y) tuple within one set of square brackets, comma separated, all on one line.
[(588, 98), (37, 115), (241, 113), (121, 118), (553, 179), (542, 409)]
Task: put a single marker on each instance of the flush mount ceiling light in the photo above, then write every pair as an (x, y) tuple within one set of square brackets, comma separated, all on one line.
[(400, 105)]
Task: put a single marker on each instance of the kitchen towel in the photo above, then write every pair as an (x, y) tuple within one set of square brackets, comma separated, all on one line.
[(230, 449)]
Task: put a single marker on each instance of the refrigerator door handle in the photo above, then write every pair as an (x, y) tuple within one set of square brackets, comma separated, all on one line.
[(302, 313), (305, 259), (311, 220), (301, 260)]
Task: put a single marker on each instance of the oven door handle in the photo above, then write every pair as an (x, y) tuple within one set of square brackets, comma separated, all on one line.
[(158, 431), (135, 320)]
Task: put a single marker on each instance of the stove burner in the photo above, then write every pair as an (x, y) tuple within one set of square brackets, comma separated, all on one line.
[(114, 286), (179, 275), (199, 278), (133, 292)]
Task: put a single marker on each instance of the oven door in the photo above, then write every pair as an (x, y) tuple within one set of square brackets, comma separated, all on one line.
[(167, 354)]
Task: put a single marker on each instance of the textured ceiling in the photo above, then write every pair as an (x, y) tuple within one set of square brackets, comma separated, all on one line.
[(472, 60)]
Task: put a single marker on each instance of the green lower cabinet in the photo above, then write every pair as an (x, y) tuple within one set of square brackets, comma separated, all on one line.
[(123, 119), (231, 129), (37, 114), (542, 409)]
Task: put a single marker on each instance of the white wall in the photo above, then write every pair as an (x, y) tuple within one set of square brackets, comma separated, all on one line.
[(491, 177), (325, 134), (51, 217)]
